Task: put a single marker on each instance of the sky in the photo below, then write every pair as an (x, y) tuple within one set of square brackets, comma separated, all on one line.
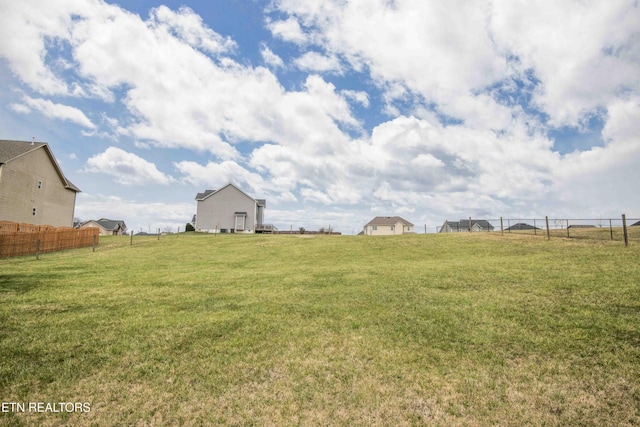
[(335, 111)]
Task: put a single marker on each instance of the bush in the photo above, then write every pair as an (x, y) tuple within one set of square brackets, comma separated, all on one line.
[(189, 227)]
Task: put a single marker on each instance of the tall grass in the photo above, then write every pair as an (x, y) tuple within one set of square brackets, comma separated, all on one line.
[(466, 329)]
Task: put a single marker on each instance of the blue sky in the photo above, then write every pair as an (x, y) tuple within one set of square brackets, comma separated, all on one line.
[(333, 111)]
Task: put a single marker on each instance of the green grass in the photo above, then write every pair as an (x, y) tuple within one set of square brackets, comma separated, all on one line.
[(463, 329)]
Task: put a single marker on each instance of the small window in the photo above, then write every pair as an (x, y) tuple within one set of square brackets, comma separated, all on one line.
[(392, 228), (34, 211), (39, 184)]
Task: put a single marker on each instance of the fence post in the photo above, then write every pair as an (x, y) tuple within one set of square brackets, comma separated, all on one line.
[(501, 227), (131, 237), (610, 228), (94, 242), (469, 224), (546, 219), (38, 249), (535, 229), (568, 228), (624, 229)]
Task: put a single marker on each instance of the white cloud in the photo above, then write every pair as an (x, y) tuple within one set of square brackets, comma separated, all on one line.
[(270, 58), (215, 175), (127, 168), (53, 110), (188, 26), (318, 63), (288, 30), (360, 97), (583, 54), (579, 51), (18, 22)]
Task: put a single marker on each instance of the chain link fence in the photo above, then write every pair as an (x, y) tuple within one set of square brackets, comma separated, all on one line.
[(617, 229)]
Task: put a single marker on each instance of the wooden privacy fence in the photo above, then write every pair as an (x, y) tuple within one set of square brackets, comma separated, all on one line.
[(28, 239)]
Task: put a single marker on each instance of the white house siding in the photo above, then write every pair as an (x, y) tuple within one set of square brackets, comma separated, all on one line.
[(21, 192), (218, 211)]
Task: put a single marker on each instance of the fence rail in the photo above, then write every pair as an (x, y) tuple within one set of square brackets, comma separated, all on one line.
[(29, 239)]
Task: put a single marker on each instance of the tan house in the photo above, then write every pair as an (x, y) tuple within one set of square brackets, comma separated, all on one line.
[(107, 227), (33, 188), (388, 226), (229, 210)]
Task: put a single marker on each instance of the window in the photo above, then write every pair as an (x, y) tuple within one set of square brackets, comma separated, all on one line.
[(392, 228), (39, 184), (34, 211)]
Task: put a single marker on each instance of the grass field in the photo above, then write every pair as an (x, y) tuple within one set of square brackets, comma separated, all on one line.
[(463, 329)]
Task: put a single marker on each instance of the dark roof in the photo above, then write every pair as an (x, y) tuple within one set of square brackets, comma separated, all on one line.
[(108, 224), (10, 150), (204, 195), (388, 220), (635, 223), (521, 226), (207, 193), (464, 224)]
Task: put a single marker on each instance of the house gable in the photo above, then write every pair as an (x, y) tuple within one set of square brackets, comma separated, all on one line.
[(388, 225), (228, 209), (33, 188)]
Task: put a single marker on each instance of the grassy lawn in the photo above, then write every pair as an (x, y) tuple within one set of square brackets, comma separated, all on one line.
[(462, 329)]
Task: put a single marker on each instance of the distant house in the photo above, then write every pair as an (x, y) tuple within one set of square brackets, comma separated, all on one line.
[(521, 226), (387, 225), (229, 210), (33, 188), (463, 225), (635, 224), (108, 227)]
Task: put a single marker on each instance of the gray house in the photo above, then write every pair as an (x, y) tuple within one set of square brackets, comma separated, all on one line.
[(107, 227), (33, 188), (229, 210), (463, 225)]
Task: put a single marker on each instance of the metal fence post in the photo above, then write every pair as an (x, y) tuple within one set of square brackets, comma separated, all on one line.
[(501, 227), (624, 229)]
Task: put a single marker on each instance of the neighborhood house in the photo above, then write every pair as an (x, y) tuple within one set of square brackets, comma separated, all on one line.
[(463, 225), (107, 227), (387, 225), (229, 210), (33, 188)]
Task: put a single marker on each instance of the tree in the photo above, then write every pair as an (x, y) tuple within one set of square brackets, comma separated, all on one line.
[(189, 227)]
